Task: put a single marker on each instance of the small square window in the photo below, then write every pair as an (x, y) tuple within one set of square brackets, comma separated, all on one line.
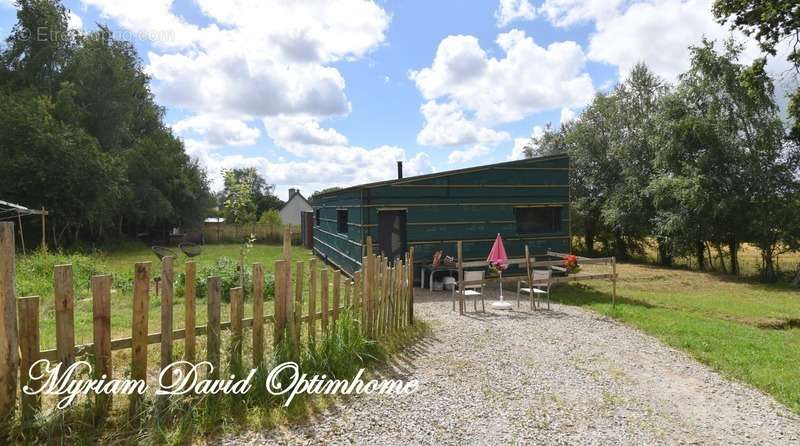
[(542, 220), (341, 221), (316, 217)]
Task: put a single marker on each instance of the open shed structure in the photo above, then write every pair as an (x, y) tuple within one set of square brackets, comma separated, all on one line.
[(13, 211), (526, 202)]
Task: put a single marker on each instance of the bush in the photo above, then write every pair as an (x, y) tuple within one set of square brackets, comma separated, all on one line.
[(35, 272), (228, 270)]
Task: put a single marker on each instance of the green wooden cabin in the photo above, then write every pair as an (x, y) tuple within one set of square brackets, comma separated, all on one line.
[(526, 202)]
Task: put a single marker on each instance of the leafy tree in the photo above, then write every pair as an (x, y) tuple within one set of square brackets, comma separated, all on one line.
[(90, 92), (722, 139), (264, 197), (39, 45), (271, 217), (105, 81), (240, 205), (770, 22), (629, 210), (48, 163)]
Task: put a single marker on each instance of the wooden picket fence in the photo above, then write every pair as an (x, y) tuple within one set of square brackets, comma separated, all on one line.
[(380, 295)]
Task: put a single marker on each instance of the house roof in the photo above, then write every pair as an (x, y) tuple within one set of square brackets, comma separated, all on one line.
[(296, 194), (438, 174)]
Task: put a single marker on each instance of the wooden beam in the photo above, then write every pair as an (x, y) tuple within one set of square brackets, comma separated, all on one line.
[(9, 343)]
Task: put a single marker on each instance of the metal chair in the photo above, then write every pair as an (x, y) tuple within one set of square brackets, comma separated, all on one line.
[(470, 290), (191, 249), (537, 289)]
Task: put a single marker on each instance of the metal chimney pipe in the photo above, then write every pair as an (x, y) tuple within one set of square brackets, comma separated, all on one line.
[(399, 170)]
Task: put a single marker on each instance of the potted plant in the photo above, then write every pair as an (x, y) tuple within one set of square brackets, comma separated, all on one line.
[(495, 268), (571, 264)]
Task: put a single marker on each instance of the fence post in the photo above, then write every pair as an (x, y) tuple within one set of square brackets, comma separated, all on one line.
[(167, 283), (312, 300), (460, 279), (289, 317), (214, 287), (237, 314), (385, 280), (410, 286), (190, 306), (29, 353), (9, 360), (258, 314), (337, 285), (398, 308), (614, 282), (369, 288), (101, 317), (297, 308), (324, 299), (348, 287), (281, 289), (354, 302), (65, 317), (141, 304), (364, 295)]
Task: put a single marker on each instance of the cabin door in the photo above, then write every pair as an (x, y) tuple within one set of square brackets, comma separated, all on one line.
[(392, 233)]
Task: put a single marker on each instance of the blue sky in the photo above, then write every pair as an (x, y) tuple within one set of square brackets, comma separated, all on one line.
[(324, 93)]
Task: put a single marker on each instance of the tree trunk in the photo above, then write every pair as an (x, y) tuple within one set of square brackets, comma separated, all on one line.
[(767, 265), (721, 257), (700, 251), (733, 247), (620, 250), (663, 254)]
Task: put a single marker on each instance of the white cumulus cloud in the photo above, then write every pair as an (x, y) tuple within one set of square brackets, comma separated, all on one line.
[(510, 10), (446, 125), (529, 79), (218, 131), (462, 156)]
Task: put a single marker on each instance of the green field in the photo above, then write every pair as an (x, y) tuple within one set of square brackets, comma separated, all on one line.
[(748, 331), (120, 262)]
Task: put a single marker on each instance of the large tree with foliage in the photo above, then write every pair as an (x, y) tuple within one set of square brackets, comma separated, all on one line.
[(770, 23), (263, 194), (629, 211), (723, 158), (82, 105)]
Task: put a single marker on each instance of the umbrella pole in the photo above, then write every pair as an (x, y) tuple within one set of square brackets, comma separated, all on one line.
[(501, 304), (501, 286)]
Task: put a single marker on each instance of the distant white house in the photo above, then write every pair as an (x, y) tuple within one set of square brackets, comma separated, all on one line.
[(290, 212)]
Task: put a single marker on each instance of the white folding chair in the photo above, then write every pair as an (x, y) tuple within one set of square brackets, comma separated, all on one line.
[(471, 290), (536, 290)]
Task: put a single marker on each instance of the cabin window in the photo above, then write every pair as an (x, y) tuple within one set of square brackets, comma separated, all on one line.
[(540, 220), (341, 221), (316, 217)]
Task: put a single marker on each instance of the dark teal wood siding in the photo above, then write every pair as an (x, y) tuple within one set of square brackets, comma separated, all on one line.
[(471, 205), (342, 250)]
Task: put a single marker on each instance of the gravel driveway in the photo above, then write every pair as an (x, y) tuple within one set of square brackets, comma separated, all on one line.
[(564, 376)]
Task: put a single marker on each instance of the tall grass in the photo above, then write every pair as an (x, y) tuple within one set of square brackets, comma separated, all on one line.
[(35, 271)]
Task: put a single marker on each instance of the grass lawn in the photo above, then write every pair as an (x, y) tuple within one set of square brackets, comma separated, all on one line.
[(120, 262), (747, 331)]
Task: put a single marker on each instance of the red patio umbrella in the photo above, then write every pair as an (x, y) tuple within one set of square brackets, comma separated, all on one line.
[(499, 260)]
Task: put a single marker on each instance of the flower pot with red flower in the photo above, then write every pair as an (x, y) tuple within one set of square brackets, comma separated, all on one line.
[(571, 264)]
